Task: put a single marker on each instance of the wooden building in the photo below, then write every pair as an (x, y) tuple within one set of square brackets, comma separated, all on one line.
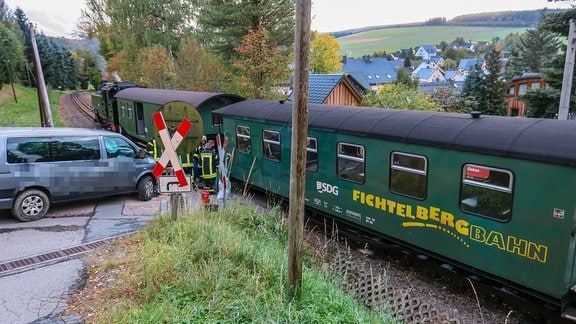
[(519, 86)]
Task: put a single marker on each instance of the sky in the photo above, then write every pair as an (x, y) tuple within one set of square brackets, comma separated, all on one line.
[(58, 17)]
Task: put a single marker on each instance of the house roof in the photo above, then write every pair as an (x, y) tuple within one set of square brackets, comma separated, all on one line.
[(454, 75), (468, 64), (434, 86), (320, 86), (360, 79), (376, 70)]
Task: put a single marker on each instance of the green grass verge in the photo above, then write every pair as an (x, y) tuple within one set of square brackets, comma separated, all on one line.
[(228, 266), (24, 110)]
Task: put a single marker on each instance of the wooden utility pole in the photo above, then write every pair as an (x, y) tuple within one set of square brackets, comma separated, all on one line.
[(568, 73), (45, 112), (299, 139)]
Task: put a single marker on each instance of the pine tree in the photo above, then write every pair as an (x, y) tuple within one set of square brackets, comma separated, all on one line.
[(222, 25)]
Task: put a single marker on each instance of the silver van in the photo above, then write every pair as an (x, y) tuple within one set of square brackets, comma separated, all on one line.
[(40, 166)]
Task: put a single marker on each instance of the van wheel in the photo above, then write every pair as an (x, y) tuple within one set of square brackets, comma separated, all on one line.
[(30, 205), (146, 188)]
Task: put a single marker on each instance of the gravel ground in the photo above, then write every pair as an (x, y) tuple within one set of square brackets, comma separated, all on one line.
[(74, 117), (454, 303)]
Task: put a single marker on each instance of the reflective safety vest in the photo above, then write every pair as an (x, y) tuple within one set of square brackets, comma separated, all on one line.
[(209, 162), (154, 150), (186, 160)]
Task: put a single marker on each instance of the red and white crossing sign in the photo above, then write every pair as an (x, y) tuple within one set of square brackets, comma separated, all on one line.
[(170, 145)]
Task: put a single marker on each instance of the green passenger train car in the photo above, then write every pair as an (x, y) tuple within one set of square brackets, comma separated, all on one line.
[(137, 105), (489, 194)]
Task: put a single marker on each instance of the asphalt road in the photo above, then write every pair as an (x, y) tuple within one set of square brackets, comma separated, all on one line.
[(39, 261)]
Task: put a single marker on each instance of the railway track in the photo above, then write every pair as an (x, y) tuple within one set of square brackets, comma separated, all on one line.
[(84, 106)]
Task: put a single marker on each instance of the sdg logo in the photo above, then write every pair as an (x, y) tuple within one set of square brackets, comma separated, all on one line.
[(323, 187)]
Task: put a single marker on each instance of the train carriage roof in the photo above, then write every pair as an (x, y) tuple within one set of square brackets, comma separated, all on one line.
[(547, 140), (163, 96)]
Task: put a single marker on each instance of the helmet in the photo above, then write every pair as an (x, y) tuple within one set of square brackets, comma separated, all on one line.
[(203, 137)]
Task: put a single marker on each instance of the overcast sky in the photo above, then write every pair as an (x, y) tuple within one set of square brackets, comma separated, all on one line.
[(58, 17)]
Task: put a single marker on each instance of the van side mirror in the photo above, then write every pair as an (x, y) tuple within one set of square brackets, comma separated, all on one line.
[(142, 153)]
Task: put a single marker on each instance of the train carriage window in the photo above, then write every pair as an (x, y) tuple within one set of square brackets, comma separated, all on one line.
[(351, 162), (271, 144), (312, 154), (486, 191), (409, 175), (243, 139)]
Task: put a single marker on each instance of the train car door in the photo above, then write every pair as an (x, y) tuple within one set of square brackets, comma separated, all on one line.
[(140, 126)]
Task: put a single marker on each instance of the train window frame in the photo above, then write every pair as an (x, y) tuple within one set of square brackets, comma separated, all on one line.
[(312, 154), (403, 175), (484, 189), (271, 147), (243, 139), (351, 162)]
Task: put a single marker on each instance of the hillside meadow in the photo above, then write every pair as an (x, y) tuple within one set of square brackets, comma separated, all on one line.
[(25, 111), (393, 39)]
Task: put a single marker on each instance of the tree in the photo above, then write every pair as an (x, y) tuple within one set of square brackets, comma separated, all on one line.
[(11, 55), (145, 23), (263, 66), (495, 92), (399, 96), (405, 77), (197, 70), (156, 68), (544, 103), (87, 69), (325, 55), (533, 50), (223, 25), (541, 103), (486, 88), (450, 100)]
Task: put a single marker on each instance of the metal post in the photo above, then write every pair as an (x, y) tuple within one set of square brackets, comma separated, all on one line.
[(568, 73)]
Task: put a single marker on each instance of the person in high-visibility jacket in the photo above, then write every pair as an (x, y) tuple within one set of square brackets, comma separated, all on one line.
[(209, 162), (154, 150), (196, 158)]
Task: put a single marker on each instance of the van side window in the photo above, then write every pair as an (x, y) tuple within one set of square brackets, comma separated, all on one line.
[(75, 148), (312, 154), (351, 162), (271, 144), (28, 150), (486, 191), (243, 140), (408, 175), (116, 146)]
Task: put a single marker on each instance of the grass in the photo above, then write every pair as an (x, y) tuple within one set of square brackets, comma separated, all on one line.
[(220, 267), (394, 39), (24, 110)]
